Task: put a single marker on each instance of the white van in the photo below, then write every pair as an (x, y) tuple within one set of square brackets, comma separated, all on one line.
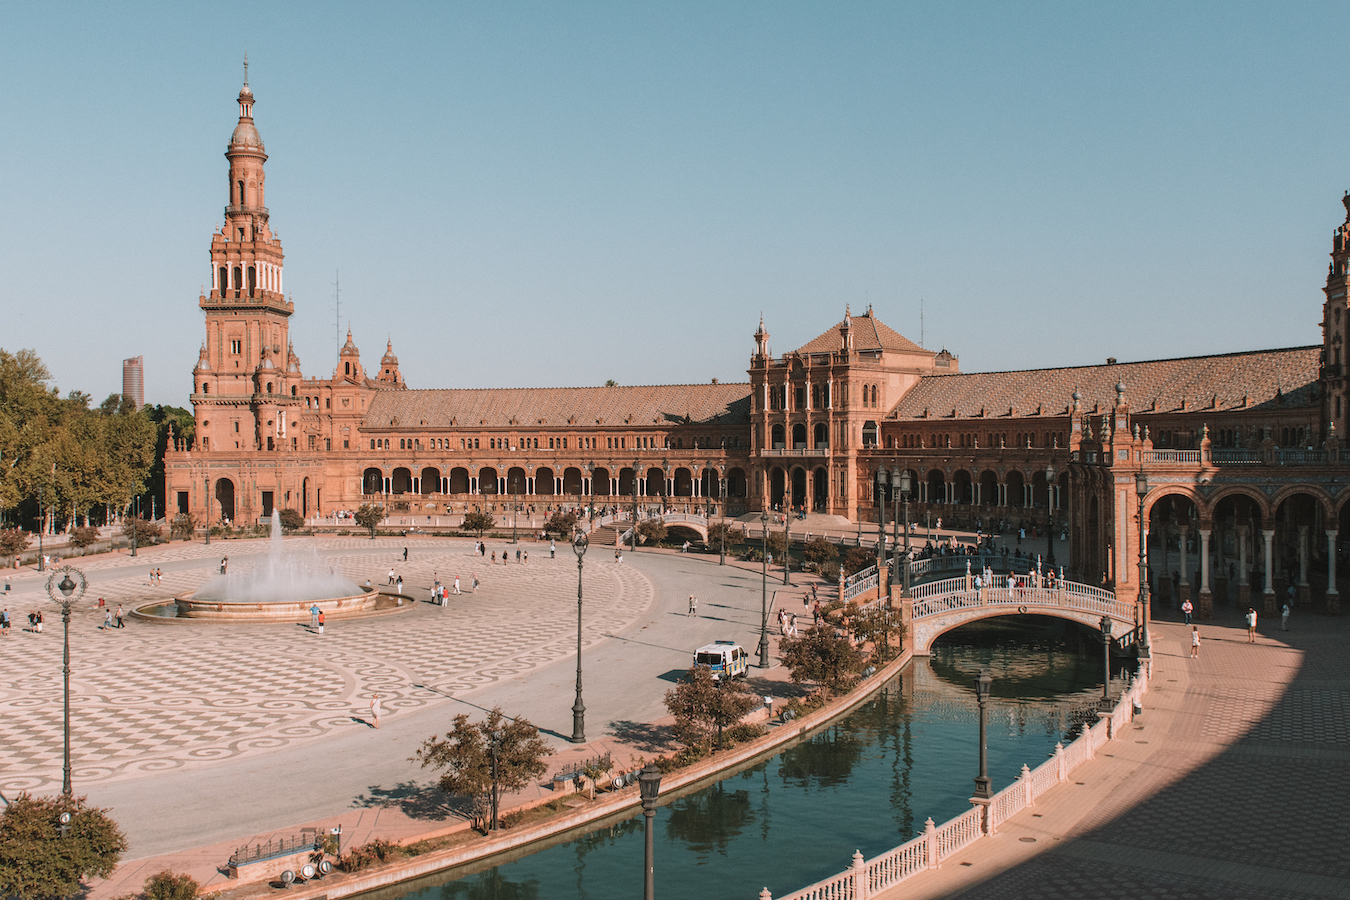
[(724, 658)]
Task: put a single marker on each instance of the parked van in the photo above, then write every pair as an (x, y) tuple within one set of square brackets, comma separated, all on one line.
[(724, 658)]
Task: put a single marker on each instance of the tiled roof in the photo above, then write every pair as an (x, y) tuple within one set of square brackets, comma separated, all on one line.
[(869, 333), (1230, 381), (612, 407)]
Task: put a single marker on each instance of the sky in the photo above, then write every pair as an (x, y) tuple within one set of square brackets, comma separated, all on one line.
[(523, 194)]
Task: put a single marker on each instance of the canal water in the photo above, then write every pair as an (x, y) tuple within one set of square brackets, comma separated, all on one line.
[(866, 783)]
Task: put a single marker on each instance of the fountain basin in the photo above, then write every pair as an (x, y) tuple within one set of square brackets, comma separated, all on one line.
[(364, 604)]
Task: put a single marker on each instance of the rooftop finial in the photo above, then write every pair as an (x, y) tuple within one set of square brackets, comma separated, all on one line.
[(245, 67)]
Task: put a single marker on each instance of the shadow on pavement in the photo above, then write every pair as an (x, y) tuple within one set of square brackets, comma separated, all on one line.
[(646, 738), (416, 801)]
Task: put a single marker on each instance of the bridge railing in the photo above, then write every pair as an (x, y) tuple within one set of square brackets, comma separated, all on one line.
[(937, 843), (935, 565), (860, 582), (936, 597)]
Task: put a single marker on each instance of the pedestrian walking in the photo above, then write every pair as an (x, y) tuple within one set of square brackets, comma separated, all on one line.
[(693, 605), (1251, 625), (494, 557), (107, 620), (375, 710), (391, 576), (399, 584), (1284, 618), (39, 623), (4, 622), (314, 616), (456, 584), (552, 549), (527, 557), (224, 564), (120, 623), (1186, 610), (475, 582), (320, 621), (405, 554), (517, 556), (1195, 642)]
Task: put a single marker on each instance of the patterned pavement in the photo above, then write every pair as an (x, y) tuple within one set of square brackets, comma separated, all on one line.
[(154, 697)]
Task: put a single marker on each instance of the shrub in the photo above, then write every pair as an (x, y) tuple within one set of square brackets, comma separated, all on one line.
[(144, 531), (14, 540), (561, 524), (291, 519), (818, 552), (367, 855), (183, 526), (30, 866), (83, 536), (857, 559), (169, 885)]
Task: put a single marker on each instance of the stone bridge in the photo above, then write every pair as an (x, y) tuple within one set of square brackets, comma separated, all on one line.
[(940, 606)]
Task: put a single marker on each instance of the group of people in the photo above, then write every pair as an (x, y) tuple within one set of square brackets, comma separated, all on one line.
[(156, 576)]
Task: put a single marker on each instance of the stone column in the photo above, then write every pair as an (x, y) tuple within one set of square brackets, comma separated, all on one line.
[(1268, 595), (1244, 592), (1304, 592), (1183, 533), (1205, 607), (1333, 596)]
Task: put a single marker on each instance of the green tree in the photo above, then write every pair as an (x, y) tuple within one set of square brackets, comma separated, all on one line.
[(879, 626), (291, 519), (478, 521), (14, 541), (857, 559), (819, 551), (38, 863), (368, 516), (777, 544), (83, 536), (183, 526), (735, 535), (651, 531), (168, 885), (824, 657), (146, 532), (562, 524), (703, 706), (464, 758)]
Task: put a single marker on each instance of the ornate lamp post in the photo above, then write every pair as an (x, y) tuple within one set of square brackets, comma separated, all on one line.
[(579, 544), (135, 526), (494, 742), (1106, 664), (649, 783), (882, 478), (70, 588), (722, 493), (1050, 515), (206, 495), (895, 529), (982, 685), (42, 527), (1141, 488), (905, 487), (787, 545), (764, 593), (636, 463)]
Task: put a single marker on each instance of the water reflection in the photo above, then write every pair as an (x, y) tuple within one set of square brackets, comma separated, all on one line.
[(867, 782)]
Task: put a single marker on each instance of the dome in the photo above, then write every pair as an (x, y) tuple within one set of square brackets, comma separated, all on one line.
[(245, 135)]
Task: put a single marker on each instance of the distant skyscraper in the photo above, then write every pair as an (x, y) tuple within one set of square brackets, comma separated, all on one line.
[(133, 380)]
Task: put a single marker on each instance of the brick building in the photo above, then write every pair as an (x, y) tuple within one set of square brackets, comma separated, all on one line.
[(1244, 480)]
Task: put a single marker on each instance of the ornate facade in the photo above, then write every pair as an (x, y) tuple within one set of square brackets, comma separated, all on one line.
[(1240, 450)]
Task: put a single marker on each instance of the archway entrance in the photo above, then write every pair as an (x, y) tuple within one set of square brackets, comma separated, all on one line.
[(225, 499)]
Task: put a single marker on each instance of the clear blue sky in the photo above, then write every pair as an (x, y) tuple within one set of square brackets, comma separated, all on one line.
[(558, 194)]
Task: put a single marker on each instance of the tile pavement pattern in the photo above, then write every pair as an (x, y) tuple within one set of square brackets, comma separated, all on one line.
[(153, 697)]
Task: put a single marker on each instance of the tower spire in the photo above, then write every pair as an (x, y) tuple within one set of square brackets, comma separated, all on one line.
[(245, 67)]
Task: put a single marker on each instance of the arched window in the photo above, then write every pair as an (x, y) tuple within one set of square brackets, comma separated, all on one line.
[(346, 368), (252, 280), (224, 280), (206, 388), (269, 387), (241, 193), (294, 392), (238, 278)]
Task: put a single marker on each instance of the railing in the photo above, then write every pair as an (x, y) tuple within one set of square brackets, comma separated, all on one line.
[(940, 842), (924, 568), (1172, 456), (1236, 457), (282, 847), (801, 451), (860, 583), (1300, 457), (951, 594)]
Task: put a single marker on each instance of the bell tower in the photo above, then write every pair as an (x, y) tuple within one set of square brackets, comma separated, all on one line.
[(1336, 329), (246, 378)]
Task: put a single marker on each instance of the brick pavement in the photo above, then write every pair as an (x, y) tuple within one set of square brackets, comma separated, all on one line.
[(1229, 786), (154, 697)]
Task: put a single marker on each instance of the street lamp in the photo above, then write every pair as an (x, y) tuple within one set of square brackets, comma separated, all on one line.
[(636, 463), (1141, 488), (494, 741), (42, 526), (764, 593), (206, 495), (1050, 515), (1106, 664), (882, 477), (722, 493), (71, 588), (982, 685), (895, 531), (579, 544), (905, 486), (135, 525), (787, 544), (649, 783)]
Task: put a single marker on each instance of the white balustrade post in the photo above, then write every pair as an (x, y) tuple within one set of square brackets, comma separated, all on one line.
[(765, 895), (1269, 560), (1028, 795), (930, 842), (860, 891), (1062, 773), (1087, 739)]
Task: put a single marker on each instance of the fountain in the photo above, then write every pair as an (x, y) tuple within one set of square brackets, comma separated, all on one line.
[(283, 588)]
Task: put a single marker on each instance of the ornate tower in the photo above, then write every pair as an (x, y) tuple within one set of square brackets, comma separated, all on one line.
[(247, 378), (1335, 325)]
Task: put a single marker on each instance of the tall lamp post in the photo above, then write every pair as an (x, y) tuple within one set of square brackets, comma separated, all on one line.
[(1106, 664), (895, 529), (579, 544), (764, 593), (67, 592), (1141, 488), (206, 495), (882, 477), (494, 741), (1050, 515), (636, 463), (722, 494), (982, 685), (42, 527), (905, 486), (649, 783), (135, 525), (787, 545)]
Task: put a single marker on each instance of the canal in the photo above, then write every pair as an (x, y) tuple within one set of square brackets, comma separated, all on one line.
[(866, 783)]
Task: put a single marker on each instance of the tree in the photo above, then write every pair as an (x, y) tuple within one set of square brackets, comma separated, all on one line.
[(464, 757), (735, 536), (83, 535), (168, 885), (14, 541), (877, 625), (777, 544), (819, 551), (651, 531), (146, 533), (857, 559), (822, 656), (368, 516), (478, 521), (38, 863), (702, 706), (291, 519), (562, 524), (183, 526)]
